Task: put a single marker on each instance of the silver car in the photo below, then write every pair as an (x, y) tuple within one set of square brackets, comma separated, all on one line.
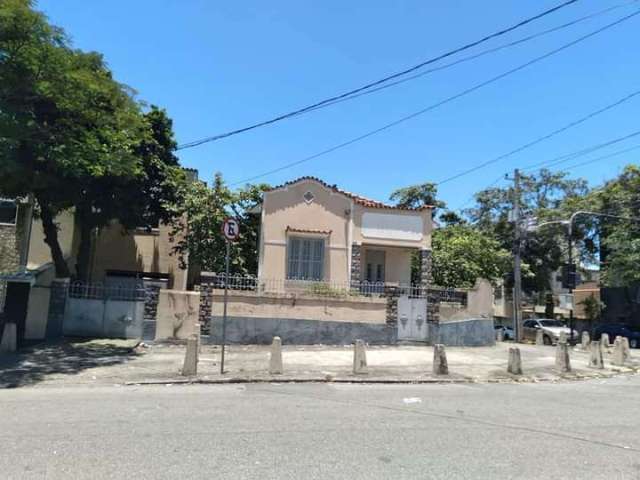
[(551, 330)]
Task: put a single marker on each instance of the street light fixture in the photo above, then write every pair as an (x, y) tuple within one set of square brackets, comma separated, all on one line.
[(532, 227)]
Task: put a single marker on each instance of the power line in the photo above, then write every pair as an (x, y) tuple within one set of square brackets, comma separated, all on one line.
[(580, 153), (479, 54), (604, 157), (450, 99), (567, 157), (380, 81)]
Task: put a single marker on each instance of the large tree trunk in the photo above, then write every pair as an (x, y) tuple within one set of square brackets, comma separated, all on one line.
[(51, 238), (85, 227)]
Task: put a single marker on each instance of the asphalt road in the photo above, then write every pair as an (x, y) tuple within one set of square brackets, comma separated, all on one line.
[(580, 430)]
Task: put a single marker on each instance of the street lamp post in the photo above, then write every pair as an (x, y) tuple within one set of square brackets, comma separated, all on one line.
[(569, 224)]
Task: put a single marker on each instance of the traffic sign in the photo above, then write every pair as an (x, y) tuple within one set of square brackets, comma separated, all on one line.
[(231, 229)]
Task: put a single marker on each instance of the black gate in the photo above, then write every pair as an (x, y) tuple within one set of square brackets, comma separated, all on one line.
[(15, 307)]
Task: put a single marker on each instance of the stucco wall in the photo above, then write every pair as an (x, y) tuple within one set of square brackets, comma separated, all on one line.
[(177, 315), (397, 264), (479, 304), (137, 251), (423, 243), (339, 219), (249, 305), (39, 252), (328, 212), (38, 306)]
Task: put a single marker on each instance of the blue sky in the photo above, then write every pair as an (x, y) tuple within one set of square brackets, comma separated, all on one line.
[(216, 66)]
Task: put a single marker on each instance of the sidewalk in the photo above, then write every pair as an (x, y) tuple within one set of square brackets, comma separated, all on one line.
[(94, 362)]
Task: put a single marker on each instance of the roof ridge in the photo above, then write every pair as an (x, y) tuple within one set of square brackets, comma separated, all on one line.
[(367, 202)]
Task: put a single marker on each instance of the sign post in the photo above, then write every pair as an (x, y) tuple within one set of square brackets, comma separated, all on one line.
[(230, 231)]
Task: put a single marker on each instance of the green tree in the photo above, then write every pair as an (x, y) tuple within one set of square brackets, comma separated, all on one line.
[(461, 254), (617, 240), (543, 195), (198, 236), (592, 309), (416, 196), (74, 137), (143, 200)]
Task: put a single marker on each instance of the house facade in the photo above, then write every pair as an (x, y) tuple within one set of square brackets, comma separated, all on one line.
[(311, 230)]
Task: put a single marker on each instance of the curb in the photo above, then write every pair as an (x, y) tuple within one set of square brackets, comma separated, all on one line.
[(390, 381)]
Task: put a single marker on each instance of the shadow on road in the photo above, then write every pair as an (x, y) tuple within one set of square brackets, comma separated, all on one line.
[(34, 364)]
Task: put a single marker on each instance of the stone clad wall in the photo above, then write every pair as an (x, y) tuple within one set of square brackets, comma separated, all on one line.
[(356, 264), (9, 256)]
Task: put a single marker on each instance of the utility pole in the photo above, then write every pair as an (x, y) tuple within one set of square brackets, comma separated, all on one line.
[(517, 278), (571, 277)]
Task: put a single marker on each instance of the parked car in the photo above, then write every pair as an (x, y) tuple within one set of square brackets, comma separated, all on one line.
[(551, 330), (507, 332), (615, 329)]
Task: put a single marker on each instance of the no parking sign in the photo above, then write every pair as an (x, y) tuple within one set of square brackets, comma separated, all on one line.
[(231, 229)]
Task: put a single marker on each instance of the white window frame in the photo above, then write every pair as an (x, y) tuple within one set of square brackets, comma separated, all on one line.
[(301, 268)]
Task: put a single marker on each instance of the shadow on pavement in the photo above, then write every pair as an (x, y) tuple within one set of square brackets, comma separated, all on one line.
[(69, 356)]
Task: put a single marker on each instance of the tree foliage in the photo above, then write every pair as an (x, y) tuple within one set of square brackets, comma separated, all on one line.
[(618, 239), (416, 196), (198, 236), (75, 138), (461, 254), (542, 195)]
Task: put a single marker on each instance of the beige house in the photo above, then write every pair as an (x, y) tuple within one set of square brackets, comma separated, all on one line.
[(311, 230)]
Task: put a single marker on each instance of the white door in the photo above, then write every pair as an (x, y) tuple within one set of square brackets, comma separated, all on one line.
[(412, 319)]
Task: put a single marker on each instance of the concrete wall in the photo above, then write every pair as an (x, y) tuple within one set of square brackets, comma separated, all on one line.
[(248, 330), (319, 308), (463, 333), (479, 304), (38, 306), (137, 251), (97, 318), (177, 316)]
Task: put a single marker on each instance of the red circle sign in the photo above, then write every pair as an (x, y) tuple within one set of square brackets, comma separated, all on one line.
[(231, 229)]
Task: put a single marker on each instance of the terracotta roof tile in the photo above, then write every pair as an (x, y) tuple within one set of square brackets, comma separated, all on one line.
[(308, 230), (366, 202)]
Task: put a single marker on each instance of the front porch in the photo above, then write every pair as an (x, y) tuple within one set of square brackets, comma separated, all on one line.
[(386, 265)]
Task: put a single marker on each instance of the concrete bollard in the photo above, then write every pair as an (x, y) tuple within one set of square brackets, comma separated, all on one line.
[(198, 335), (190, 366), (604, 341), (499, 335), (618, 358), (539, 337), (563, 362), (585, 340), (440, 365), (626, 349), (9, 338), (562, 338), (359, 358), (595, 355), (515, 362), (275, 357)]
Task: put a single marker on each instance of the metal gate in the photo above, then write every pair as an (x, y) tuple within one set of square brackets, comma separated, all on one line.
[(412, 319)]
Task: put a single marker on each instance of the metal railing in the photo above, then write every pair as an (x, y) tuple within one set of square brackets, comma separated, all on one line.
[(332, 288), (99, 291)]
